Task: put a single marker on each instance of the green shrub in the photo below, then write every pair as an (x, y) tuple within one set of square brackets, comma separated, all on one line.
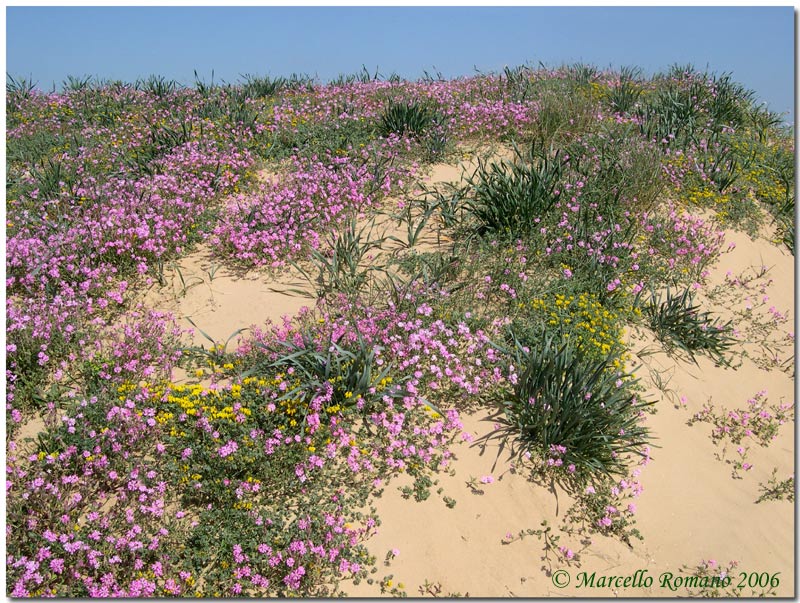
[(157, 85), (622, 172), (517, 83), (263, 87), (673, 114), (566, 109), (582, 74), (18, 91), (352, 378), (729, 103), (624, 96), (345, 266)]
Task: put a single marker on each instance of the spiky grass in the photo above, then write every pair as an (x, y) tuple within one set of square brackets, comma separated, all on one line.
[(411, 118), (678, 322), (511, 197), (562, 398)]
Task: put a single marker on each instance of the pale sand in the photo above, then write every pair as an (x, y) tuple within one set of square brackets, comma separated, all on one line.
[(228, 301)]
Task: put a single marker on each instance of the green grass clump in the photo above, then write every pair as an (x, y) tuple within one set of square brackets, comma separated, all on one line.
[(574, 410), (344, 268), (511, 197), (624, 96), (678, 323), (411, 119), (351, 378)]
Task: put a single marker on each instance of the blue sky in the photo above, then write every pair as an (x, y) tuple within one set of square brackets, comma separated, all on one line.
[(756, 45)]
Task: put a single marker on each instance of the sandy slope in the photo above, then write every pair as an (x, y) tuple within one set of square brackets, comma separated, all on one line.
[(691, 508)]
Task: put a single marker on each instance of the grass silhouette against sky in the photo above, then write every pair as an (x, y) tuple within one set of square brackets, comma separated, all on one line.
[(47, 44)]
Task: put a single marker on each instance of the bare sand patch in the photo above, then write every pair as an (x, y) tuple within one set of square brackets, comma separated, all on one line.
[(28, 433), (220, 300), (469, 162)]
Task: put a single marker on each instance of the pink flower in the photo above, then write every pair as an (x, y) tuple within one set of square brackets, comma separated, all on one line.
[(487, 479), (57, 565), (228, 449)]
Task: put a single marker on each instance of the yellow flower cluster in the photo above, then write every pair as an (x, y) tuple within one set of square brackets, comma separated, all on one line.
[(597, 92), (765, 184), (176, 398), (707, 198), (594, 330)]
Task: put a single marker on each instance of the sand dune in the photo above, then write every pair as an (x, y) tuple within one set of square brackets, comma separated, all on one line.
[(691, 509)]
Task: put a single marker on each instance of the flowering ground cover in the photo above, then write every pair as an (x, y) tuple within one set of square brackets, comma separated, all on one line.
[(268, 470)]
